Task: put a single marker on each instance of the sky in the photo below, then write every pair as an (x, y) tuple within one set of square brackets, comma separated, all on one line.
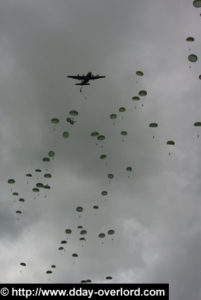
[(155, 210)]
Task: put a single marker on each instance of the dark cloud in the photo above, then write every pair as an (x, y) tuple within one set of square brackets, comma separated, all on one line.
[(155, 212)]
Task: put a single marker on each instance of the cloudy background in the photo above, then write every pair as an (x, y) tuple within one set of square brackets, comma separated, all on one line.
[(156, 212)]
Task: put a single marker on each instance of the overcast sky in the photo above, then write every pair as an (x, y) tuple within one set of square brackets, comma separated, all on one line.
[(156, 211)]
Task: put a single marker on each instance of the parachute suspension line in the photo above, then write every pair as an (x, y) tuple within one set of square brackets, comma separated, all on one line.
[(82, 93)]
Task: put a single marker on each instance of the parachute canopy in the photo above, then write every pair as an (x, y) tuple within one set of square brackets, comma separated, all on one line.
[(170, 142), (65, 134), (46, 159), (111, 231), (73, 113), (197, 3), (113, 116), (136, 98), (192, 58), (110, 176), (68, 231), (47, 175), (94, 133), (79, 208), (95, 207), (142, 93), (190, 39), (11, 181), (55, 121), (101, 235), (122, 109), (153, 125), (83, 231), (51, 153), (101, 137), (21, 200), (124, 132), (139, 73), (129, 169), (197, 124), (29, 175)]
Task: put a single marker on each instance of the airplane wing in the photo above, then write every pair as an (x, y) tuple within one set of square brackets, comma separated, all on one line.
[(78, 77), (93, 77)]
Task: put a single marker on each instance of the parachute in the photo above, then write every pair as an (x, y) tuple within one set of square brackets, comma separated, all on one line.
[(46, 159), (190, 39), (68, 231), (83, 231), (75, 255), (196, 124), (111, 231), (53, 266), (108, 277), (110, 176), (46, 186), (113, 116), (129, 169), (122, 109), (170, 142), (11, 181), (94, 133), (139, 73), (28, 175), (61, 248), (51, 153), (21, 200), (65, 134), (103, 156), (104, 193), (39, 185), (136, 98), (197, 3), (63, 242), (55, 121), (47, 175), (153, 125), (38, 170), (95, 207), (124, 133), (73, 113), (101, 235), (48, 272), (23, 264), (192, 58), (101, 137), (79, 208), (142, 93)]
